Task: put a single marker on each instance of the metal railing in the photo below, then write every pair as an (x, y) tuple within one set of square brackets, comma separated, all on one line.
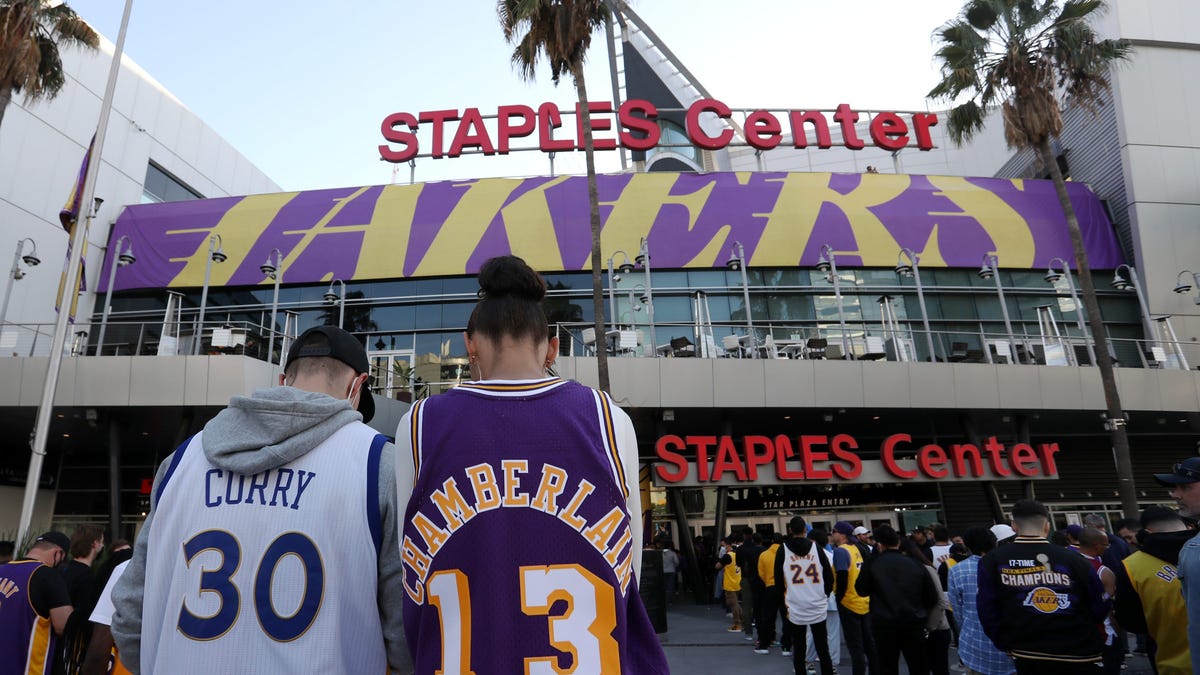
[(142, 339), (798, 340), (871, 342)]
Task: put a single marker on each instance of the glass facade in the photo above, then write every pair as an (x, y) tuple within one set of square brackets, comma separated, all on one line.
[(426, 317)]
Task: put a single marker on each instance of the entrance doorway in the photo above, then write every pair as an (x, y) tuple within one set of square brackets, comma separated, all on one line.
[(768, 524), (392, 374)]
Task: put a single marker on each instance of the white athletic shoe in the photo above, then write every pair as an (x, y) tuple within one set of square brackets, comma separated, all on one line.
[(761, 651), (787, 652)]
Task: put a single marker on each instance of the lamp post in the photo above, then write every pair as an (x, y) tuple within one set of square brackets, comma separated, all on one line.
[(122, 258), (215, 255), (16, 273), (913, 269), (273, 268), (737, 261), (1052, 277), (827, 264), (1121, 284), (643, 259), (331, 297), (626, 267), (991, 270), (1182, 287)]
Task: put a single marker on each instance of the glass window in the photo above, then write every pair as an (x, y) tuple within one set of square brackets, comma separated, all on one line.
[(709, 279), (669, 280), (780, 277), (1120, 309), (674, 135), (958, 307), (672, 309), (456, 314), (789, 307), (428, 316), (160, 186), (460, 286), (950, 277)]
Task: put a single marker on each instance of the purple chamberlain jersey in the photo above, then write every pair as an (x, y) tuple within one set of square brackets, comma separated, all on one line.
[(26, 639), (520, 554)]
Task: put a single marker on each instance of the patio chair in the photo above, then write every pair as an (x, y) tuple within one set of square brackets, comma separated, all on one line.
[(733, 346), (682, 347), (815, 348)]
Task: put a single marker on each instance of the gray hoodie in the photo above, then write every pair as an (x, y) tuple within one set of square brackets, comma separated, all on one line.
[(257, 433)]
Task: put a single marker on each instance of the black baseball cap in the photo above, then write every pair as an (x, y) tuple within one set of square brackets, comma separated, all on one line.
[(57, 538), (340, 345), (1187, 471)]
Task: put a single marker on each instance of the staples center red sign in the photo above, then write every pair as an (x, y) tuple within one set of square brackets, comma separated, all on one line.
[(637, 129), (723, 460)]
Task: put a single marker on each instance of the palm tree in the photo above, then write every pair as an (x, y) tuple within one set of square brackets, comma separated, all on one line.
[(30, 34), (1029, 58), (560, 31)]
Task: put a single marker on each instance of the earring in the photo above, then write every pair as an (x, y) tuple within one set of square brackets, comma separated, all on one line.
[(473, 358)]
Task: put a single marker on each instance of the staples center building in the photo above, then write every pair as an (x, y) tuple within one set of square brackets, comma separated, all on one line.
[(790, 331)]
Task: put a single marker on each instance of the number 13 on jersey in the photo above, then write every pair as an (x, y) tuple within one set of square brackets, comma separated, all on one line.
[(583, 630)]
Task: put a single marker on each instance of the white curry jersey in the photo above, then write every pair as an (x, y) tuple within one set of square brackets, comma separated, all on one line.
[(804, 578), (269, 573)]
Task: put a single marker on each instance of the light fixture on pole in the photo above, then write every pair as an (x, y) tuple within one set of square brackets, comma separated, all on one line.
[(737, 262), (1052, 277), (16, 273), (331, 297), (913, 269), (273, 268), (614, 277), (991, 270), (827, 264), (215, 255), (1122, 284), (643, 259), (1182, 286), (123, 258)]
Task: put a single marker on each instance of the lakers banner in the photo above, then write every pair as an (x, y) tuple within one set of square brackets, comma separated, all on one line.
[(690, 220)]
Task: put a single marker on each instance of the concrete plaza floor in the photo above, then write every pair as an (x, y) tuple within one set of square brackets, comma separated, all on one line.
[(696, 641)]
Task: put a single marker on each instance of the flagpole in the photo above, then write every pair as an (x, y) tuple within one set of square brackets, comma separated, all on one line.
[(42, 426)]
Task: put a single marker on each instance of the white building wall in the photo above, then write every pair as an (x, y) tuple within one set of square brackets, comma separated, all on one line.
[(42, 147), (1158, 103)]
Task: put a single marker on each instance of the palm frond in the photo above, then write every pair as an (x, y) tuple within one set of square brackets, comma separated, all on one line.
[(559, 31), (31, 33), (964, 120)]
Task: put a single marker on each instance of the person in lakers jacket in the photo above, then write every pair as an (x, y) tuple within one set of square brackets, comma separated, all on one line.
[(1041, 603)]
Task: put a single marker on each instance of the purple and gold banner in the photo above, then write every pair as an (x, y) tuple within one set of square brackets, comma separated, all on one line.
[(691, 220)]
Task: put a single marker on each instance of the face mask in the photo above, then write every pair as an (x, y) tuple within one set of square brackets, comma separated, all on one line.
[(350, 398)]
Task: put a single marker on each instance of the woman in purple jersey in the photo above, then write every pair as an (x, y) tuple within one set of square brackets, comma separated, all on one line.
[(522, 535)]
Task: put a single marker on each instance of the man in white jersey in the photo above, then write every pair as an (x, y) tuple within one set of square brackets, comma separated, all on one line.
[(807, 580), (271, 545)]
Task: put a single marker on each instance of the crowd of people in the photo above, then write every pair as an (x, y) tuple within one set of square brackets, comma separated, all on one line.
[(52, 600), (1011, 598)]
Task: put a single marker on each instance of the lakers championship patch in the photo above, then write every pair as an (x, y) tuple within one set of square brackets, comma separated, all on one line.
[(1046, 601)]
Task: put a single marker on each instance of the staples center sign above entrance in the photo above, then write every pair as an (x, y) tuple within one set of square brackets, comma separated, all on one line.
[(452, 131), (782, 460)]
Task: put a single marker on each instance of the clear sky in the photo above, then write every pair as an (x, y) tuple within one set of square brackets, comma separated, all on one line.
[(301, 87)]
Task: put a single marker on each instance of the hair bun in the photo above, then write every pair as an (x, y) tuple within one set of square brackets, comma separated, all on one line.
[(510, 276)]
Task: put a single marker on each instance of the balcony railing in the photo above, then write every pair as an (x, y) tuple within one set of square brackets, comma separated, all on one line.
[(809, 341), (780, 340)]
